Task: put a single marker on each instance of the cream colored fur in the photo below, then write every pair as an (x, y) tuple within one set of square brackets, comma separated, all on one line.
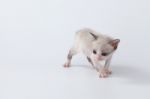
[(88, 40)]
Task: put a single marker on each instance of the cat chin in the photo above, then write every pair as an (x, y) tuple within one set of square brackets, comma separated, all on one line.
[(99, 58), (102, 59)]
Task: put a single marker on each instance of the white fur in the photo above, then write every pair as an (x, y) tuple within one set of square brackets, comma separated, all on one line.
[(86, 43)]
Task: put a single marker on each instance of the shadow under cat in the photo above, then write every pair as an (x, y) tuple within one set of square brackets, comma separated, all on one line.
[(130, 74)]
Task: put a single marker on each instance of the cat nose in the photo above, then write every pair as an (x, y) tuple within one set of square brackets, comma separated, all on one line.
[(99, 58)]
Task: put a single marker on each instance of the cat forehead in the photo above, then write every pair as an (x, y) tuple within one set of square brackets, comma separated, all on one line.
[(100, 42), (107, 47), (103, 46)]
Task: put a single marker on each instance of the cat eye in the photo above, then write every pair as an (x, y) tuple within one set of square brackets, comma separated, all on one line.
[(94, 52), (104, 54)]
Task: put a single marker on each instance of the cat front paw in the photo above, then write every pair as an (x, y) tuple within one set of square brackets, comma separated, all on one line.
[(108, 71), (66, 65), (103, 74)]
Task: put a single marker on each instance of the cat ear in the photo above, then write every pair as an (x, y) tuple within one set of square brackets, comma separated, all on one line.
[(114, 43), (95, 36)]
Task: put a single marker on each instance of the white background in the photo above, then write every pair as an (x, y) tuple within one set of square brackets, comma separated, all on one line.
[(35, 36)]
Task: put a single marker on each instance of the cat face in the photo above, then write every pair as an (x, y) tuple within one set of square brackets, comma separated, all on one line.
[(103, 50)]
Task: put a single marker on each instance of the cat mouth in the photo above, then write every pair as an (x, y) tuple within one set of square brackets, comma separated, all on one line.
[(99, 58)]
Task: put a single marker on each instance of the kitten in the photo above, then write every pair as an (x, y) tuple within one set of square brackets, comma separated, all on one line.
[(96, 47)]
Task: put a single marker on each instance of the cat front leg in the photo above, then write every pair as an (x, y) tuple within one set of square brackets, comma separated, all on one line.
[(94, 64), (102, 72), (91, 62), (107, 64)]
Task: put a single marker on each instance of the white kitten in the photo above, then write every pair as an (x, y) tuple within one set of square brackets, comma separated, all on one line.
[(96, 47)]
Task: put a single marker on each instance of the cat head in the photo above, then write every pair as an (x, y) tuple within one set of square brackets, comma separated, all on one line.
[(103, 48)]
